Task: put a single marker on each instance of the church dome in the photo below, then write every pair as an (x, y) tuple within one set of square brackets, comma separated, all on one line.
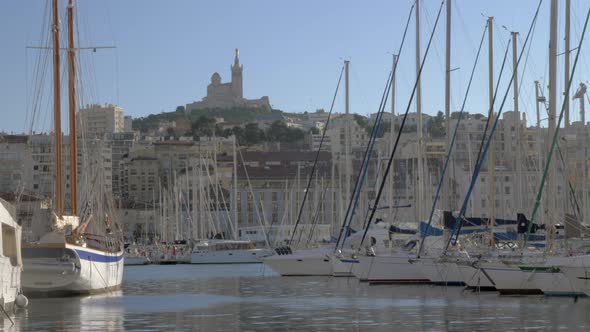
[(215, 79)]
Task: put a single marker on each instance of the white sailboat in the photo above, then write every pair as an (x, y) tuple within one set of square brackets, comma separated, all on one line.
[(68, 259), (220, 251)]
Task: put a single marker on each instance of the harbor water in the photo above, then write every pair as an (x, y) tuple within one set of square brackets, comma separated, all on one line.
[(253, 298)]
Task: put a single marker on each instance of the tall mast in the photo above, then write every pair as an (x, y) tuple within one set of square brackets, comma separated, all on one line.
[(566, 64), (585, 168), (551, 208), (235, 201), (59, 205), (419, 205), (566, 94), (391, 134), (492, 160), (347, 138), (518, 193), (539, 99), (72, 106), (447, 189)]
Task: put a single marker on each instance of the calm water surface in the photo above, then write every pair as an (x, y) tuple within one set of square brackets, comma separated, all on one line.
[(253, 298)]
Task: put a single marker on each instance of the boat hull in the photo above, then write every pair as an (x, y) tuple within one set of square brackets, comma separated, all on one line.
[(475, 278), (343, 266), (10, 283), (70, 270), (442, 273), (244, 256), (395, 269), (136, 260), (511, 279), (301, 263)]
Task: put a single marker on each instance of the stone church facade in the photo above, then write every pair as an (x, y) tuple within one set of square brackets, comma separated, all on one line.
[(228, 95)]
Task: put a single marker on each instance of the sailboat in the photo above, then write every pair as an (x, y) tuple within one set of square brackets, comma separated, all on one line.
[(71, 259)]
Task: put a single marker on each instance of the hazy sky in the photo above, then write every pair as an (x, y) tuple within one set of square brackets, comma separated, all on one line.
[(292, 51)]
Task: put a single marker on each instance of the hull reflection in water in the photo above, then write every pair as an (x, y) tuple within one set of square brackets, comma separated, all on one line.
[(251, 298)]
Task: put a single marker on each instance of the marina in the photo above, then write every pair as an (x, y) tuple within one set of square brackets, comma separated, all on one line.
[(229, 214)]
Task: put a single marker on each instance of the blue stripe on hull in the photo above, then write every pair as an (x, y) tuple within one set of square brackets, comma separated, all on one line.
[(91, 256)]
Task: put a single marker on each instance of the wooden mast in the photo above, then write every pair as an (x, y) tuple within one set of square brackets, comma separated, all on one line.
[(58, 205), (72, 109)]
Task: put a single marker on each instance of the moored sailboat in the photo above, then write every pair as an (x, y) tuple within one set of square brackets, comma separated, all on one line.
[(69, 259)]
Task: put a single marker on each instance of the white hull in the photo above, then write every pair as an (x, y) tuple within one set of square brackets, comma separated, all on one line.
[(510, 279), (310, 262), (474, 278), (441, 273), (10, 283), (70, 269), (10, 256), (343, 266), (242, 256), (136, 260), (574, 276), (399, 268)]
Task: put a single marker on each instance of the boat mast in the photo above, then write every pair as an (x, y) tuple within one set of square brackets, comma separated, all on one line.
[(492, 160), (235, 202), (518, 190), (420, 172), (539, 99), (347, 143), (59, 204), (581, 94), (566, 126), (391, 134), (447, 200), (551, 208), (72, 109), (566, 65)]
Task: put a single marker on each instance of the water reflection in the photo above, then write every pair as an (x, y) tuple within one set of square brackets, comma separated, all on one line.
[(249, 297)]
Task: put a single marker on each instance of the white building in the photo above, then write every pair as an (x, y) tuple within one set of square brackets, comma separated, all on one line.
[(100, 119)]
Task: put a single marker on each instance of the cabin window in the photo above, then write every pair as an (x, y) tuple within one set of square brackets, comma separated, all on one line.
[(9, 244)]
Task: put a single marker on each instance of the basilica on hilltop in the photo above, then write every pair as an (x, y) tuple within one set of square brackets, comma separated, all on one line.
[(228, 95)]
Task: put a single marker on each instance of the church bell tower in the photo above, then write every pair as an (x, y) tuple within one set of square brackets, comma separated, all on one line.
[(236, 77)]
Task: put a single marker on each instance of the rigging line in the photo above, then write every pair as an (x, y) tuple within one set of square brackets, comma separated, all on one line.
[(397, 139), (313, 168), (261, 220), (346, 222), (450, 148), (458, 220), (526, 60), (350, 211), (491, 110), (554, 141)]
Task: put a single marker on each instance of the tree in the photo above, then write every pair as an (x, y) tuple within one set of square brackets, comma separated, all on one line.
[(253, 134), (314, 131), (384, 127), (436, 126), (180, 109), (361, 120), (204, 126)]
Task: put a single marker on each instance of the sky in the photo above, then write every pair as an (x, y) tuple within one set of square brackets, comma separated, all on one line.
[(292, 51)]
